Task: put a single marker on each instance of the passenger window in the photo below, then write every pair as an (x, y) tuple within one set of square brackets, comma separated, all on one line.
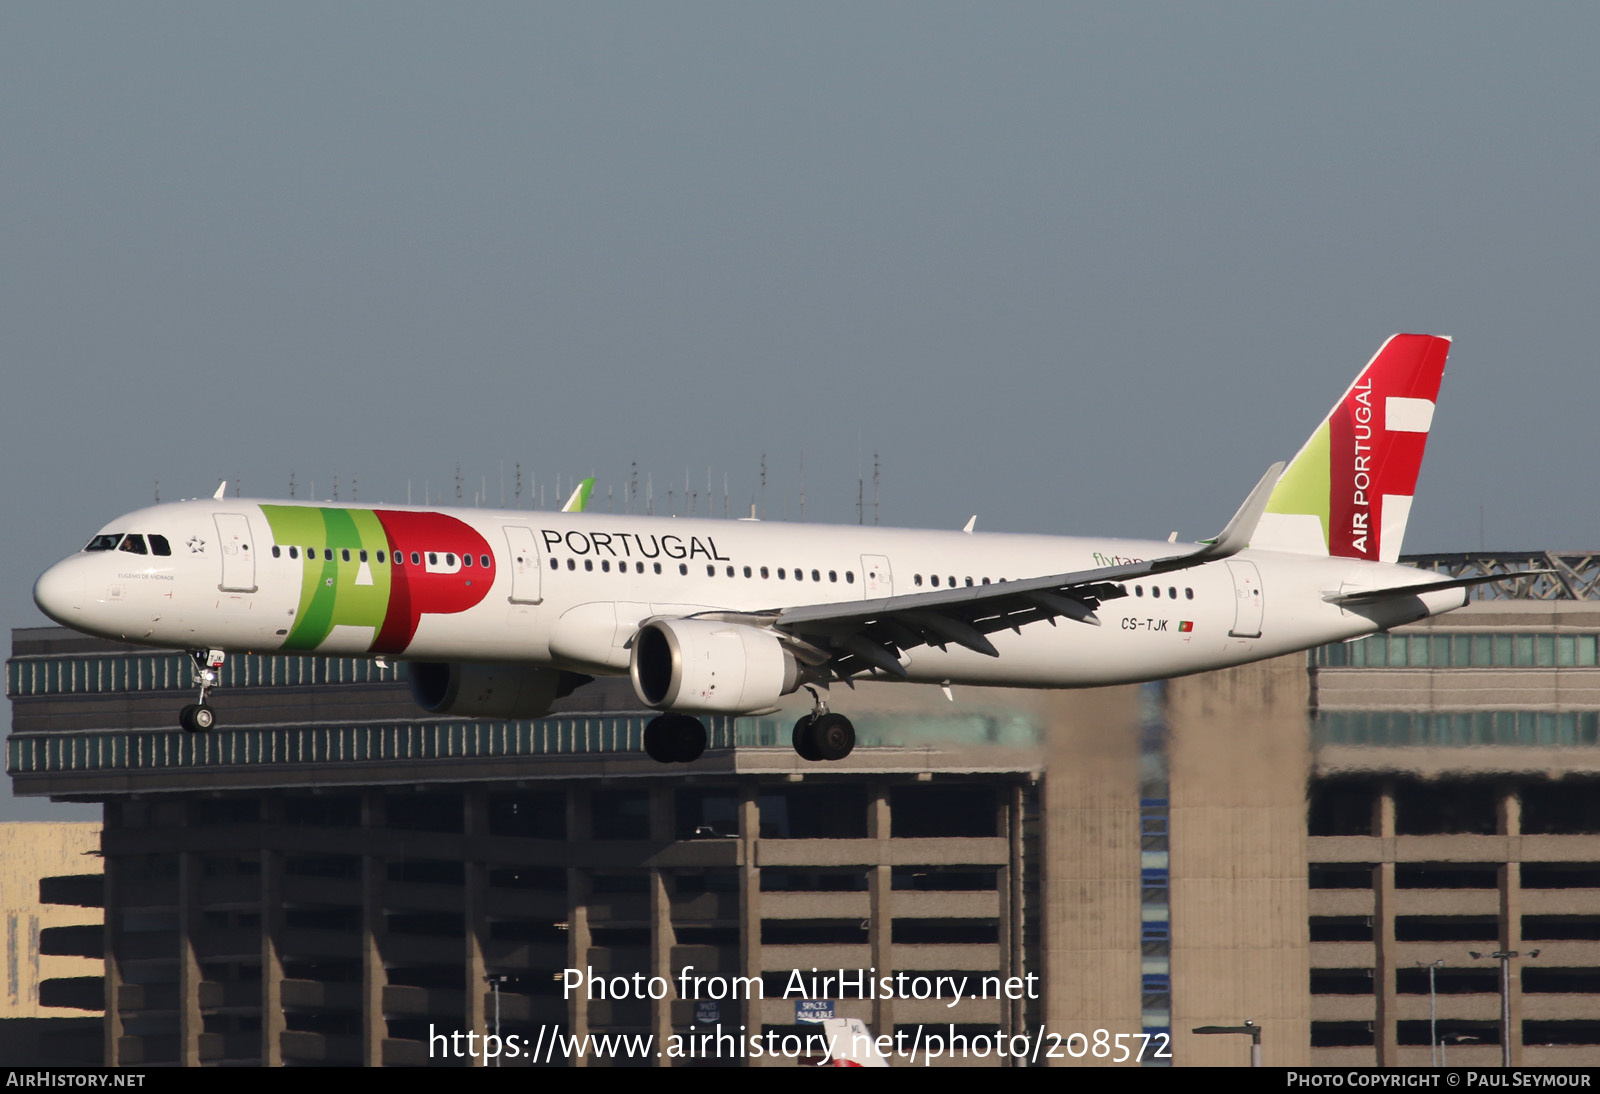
[(159, 546), (416, 559), (780, 573), (1172, 592), (763, 571), (1188, 594), (327, 554), (639, 567), (952, 581), (711, 571), (605, 565), (588, 565), (916, 579), (747, 571), (934, 580), (833, 575), (799, 575), (466, 560), (555, 564), (730, 571), (363, 554), (275, 551), (657, 565), (683, 570), (433, 558), (344, 555), (969, 583), (134, 545), (571, 565), (986, 581), (450, 558), (815, 576), (1155, 591), (849, 577), (483, 560)]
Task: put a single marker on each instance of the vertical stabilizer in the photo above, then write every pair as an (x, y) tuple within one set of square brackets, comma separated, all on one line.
[(1348, 491)]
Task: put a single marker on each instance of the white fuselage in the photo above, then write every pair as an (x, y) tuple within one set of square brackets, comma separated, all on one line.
[(569, 590)]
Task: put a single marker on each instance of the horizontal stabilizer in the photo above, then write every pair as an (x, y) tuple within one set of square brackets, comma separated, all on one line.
[(1367, 596)]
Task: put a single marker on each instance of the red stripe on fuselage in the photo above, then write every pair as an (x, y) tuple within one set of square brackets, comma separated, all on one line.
[(413, 591)]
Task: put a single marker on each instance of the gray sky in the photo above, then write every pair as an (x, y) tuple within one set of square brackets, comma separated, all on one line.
[(1076, 268)]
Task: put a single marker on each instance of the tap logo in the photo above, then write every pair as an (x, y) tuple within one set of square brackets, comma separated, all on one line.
[(379, 569)]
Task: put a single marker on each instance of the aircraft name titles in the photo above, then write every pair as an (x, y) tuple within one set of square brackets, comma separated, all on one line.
[(632, 545)]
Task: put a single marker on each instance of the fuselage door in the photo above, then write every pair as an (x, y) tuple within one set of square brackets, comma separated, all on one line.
[(1247, 599), (238, 562), (525, 576), (876, 578)]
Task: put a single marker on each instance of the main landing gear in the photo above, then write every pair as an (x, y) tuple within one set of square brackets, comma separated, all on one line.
[(822, 735), (674, 738), (198, 717)]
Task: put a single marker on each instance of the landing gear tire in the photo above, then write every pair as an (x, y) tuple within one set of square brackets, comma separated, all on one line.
[(655, 745), (674, 738), (197, 718), (832, 736), (803, 744), (688, 739)]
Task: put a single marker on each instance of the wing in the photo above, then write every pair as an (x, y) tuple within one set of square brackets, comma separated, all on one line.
[(860, 635)]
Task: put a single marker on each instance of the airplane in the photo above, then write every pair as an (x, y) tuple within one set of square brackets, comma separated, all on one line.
[(501, 612)]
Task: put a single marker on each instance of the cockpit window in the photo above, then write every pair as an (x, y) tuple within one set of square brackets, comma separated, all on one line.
[(159, 545), (105, 542), (134, 545)]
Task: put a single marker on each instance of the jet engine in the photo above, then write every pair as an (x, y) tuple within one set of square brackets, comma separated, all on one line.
[(700, 665), (501, 690)]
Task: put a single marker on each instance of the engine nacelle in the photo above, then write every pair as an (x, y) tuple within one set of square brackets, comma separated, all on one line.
[(702, 666), (501, 690)]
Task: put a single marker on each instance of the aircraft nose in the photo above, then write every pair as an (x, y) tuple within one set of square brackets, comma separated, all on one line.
[(59, 593)]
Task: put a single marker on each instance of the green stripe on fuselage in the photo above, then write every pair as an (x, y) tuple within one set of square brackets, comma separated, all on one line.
[(330, 592)]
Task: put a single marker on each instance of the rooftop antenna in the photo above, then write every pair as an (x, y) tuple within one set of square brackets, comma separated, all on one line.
[(633, 486), (408, 491), (763, 484), (336, 486), (670, 506), (158, 491), (609, 507), (874, 488), (355, 488), (238, 484), (649, 495), (689, 498), (291, 484), (802, 486), (502, 484), (724, 495), (519, 485), (458, 482)]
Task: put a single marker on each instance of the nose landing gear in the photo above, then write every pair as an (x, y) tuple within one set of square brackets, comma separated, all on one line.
[(822, 735), (199, 717)]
